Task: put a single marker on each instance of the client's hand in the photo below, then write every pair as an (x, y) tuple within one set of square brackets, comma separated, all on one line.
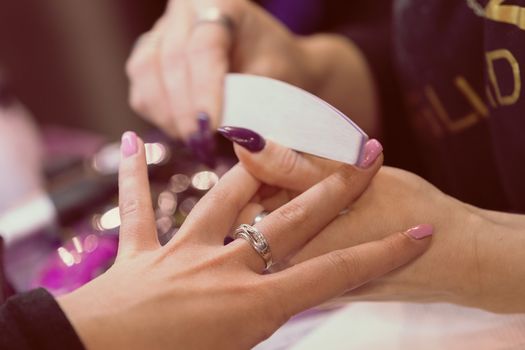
[(458, 268), (196, 293)]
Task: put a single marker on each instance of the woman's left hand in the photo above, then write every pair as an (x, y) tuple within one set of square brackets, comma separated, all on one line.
[(196, 293)]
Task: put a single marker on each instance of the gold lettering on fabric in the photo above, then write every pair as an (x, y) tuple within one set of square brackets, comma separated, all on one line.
[(507, 56), (511, 14), (452, 125), (471, 95)]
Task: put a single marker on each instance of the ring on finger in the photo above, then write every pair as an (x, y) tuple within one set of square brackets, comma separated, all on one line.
[(257, 241), (215, 16)]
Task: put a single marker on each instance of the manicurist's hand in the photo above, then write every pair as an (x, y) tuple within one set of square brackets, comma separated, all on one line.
[(476, 258), (196, 293), (177, 69)]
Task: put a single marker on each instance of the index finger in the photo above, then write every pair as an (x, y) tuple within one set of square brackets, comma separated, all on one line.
[(213, 216), (335, 273), (283, 167), (137, 228)]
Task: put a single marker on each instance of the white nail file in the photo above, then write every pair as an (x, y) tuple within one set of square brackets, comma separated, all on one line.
[(291, 117)]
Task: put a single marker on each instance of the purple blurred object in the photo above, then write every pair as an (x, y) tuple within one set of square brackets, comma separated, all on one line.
[(77, 262), (300, 16), (202, 142)]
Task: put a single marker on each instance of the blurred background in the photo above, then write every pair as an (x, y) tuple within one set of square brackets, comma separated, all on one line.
[(65, 59)]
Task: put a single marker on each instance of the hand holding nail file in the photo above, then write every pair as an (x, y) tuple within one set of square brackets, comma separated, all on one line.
[(291, 117)]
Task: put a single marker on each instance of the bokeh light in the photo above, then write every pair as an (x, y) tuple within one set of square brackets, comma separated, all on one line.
[(204, 180)]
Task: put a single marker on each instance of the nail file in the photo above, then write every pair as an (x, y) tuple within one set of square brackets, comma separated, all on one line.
[(291, 117)]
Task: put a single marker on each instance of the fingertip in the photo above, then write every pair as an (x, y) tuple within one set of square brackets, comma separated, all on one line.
[(246, 138), (372, 154), (416, 240), (129, 144), (420, 232), (256, 163)]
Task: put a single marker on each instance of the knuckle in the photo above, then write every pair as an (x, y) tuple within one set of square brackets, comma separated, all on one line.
[(172, 54), (345, 176), (133, 64), (209, 48), (138, 62), (137, 101), (346, 263), (269, 66), (262, 170), (130, 207), (221, 196), (392, 247), (287, 162), (292, 213)]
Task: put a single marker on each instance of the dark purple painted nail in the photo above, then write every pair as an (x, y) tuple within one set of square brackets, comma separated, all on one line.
[(202, 142), (246, 138), (203, 120)]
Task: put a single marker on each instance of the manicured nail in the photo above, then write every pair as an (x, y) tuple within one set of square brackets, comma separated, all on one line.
[(371, 151), (129, 145), (203, 121), (420, 232), (202, 142), (246, 138)]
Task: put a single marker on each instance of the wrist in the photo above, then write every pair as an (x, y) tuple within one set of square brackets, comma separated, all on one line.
[(89, 315), (498, 241)]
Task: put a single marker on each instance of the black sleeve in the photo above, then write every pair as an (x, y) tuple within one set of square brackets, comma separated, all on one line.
[(34, 320)]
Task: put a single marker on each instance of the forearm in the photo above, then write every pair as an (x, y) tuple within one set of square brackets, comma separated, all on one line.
[(342, 77)]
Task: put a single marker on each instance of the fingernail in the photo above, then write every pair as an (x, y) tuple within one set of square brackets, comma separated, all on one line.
[(202, 142), (203, 121), (129, 145), (420, 232), (371, 151), (246, 138)]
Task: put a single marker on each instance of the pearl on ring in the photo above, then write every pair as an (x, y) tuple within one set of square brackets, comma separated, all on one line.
[(260, 217)]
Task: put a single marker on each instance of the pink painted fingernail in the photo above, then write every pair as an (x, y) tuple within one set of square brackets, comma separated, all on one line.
[(371, 151), (420, 232), (129, 145)]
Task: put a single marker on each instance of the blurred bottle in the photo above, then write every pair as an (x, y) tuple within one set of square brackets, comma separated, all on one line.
[(21, 173)]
